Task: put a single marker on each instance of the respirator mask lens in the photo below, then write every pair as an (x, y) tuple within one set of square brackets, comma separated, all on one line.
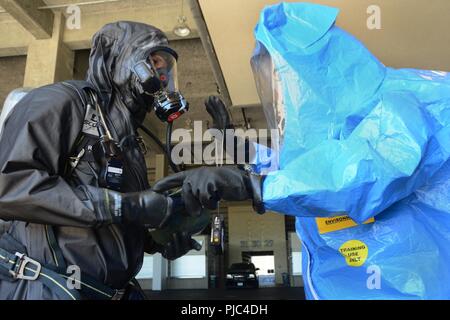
[(156, 74), (169, 104), (158, 83), (165, 65)]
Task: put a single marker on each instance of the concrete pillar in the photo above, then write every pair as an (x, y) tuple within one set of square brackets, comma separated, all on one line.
[(160, 265), (49, 60), (161, 168)]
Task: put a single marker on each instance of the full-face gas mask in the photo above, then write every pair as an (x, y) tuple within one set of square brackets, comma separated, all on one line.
[(157, 84)]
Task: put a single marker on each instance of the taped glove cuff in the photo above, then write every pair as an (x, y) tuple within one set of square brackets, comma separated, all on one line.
[(145, 208), (255, 182), (110, 205)]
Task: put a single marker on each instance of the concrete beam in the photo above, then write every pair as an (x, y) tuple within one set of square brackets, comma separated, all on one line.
[(14, 39), (49, 60), (38, 22), (209, 49)]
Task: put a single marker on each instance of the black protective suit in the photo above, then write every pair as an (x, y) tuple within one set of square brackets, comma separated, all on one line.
[(42, 133)]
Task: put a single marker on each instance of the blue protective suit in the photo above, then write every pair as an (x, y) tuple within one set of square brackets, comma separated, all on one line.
[(361, 140)]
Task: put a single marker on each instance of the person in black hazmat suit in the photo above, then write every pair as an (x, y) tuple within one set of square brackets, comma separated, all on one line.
[(73, 180)]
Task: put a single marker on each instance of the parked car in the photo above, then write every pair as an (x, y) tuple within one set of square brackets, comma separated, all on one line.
[(242, 275)]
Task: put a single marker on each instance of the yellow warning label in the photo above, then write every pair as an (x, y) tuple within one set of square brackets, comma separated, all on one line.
[(326, 225), (355, 252)]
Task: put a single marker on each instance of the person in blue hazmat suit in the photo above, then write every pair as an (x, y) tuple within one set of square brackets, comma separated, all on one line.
[(363, 160), (73, 179)]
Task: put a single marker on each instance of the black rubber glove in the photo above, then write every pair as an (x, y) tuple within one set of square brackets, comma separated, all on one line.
[(177, 245), (179, 221), (175, 238), (232, 144), (205, 186), (219, 113), (147, 208)]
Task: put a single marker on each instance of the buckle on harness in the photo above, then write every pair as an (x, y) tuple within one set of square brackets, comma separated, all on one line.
[(118, 295), (142, 145), (75, 160), (20, 266)]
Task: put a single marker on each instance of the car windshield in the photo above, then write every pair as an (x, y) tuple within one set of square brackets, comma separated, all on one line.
[(242, 267)]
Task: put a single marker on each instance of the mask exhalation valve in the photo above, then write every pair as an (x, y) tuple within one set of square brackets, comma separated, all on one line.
[(169, 106)]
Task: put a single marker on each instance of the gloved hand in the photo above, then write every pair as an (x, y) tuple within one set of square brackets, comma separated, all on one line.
[(218, 112), (175, 238), (177, 245), (232, 143), (147, 208), (205, 186)]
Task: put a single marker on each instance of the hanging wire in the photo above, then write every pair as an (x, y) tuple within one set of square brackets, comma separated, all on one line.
[(221, 153)]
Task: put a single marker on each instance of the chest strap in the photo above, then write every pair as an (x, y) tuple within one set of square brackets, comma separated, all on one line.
[(21, 267)]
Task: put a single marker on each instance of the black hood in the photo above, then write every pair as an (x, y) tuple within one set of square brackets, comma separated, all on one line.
[(116, 48)]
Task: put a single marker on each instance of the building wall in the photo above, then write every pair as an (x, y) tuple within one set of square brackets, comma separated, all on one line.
[(81, 64), (248, 231), (295, 245), (12, 70), (196, 78)]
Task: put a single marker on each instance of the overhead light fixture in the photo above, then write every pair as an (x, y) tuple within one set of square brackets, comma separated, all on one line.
[(182, 29)]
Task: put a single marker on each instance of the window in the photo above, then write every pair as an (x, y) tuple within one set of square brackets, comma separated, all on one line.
[(147, 268), (189, 266), (296, 263)]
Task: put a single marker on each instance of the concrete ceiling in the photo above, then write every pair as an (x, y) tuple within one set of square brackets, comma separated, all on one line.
[(162, 14), (414, 34)]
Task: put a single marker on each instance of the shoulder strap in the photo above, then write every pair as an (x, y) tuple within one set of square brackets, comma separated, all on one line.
[(89, 123), (79, 87), (90, 118)]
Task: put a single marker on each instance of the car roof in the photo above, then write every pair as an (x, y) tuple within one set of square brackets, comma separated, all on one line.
[(242, 265)]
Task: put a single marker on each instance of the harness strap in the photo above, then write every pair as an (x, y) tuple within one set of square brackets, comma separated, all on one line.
[(89, 286), (22, 267), (93, 289)]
